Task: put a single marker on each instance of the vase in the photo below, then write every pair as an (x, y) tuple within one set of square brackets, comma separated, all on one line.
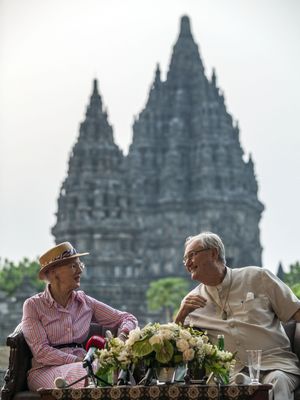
[(165, 374), (194, 374)]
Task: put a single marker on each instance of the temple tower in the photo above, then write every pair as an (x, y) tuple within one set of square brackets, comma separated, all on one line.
[(188, 166), (94, 209), (185, 172)]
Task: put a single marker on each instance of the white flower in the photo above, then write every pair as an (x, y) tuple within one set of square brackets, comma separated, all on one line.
[(184, 334), (156, 339), (170, 326), (208, 348), (134, 335), (194, 342), (117, 342), (205, 339), (167, 334), (182, 345), (123, 356), (188, 355)]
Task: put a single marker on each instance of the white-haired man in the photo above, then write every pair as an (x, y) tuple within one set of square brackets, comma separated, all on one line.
[(247, 305)]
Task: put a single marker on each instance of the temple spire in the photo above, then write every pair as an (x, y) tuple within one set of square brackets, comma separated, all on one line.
[(280, 272), (157, 75), (214, 78), (186, 68), (94, 109), (185, 28), (95, 88), (155, 86)]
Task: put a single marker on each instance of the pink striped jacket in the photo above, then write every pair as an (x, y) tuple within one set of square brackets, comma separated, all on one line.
[(45, 324)]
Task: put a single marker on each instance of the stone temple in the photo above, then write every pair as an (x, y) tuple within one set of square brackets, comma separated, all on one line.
[(185, 172)]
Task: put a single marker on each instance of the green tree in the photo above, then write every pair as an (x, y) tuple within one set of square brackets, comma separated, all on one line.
[(296, 289), (12, 274), (293, 277), (166, 294)]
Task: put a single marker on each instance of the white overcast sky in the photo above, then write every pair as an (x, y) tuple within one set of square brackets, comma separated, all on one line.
[(50, 51)]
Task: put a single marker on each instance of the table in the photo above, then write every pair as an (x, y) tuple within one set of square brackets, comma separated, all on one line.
[(161, 392)]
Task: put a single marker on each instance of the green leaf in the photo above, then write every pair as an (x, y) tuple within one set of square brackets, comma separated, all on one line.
[(142, 348), (164, 352), (106, 375)]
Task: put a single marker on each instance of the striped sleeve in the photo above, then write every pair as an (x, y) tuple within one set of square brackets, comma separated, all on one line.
[(111, 317)]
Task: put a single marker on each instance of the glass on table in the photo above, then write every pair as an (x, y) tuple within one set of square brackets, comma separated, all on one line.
[(253, 363)]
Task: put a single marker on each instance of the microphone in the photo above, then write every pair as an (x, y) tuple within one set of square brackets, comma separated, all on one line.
[(108, 335), (94, 343), (60, 382)]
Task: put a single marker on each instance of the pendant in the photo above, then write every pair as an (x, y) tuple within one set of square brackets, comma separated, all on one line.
[(224, 315)]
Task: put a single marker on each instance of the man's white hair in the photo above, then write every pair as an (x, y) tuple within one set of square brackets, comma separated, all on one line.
[(211, 241)]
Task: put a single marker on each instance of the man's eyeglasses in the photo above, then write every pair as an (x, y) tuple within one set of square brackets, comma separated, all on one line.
[(192, 254)]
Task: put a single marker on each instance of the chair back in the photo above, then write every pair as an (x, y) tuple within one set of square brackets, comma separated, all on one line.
[(292, 329)]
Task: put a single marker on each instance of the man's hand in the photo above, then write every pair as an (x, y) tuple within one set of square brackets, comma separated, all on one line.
[(189, 304)]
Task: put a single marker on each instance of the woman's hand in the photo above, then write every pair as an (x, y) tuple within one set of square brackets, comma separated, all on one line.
[(122, 336), (189, 304)]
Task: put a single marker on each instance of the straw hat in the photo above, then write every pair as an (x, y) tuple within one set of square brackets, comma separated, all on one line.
[(57, 255)]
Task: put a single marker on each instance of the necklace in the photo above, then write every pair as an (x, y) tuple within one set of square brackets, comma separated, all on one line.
[(224, 314)]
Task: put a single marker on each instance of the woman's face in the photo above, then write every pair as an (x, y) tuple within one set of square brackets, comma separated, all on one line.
[(67, 276)]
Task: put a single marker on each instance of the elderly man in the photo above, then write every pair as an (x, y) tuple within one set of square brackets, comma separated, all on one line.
[(246, 305)]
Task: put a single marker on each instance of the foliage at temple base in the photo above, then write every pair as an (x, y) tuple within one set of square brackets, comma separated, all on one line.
[(12, 275)]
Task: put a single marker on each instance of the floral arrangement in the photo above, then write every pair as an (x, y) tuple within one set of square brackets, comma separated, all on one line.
[(161, 345)]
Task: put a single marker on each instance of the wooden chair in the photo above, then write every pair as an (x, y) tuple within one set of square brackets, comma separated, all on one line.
[(15, 380)]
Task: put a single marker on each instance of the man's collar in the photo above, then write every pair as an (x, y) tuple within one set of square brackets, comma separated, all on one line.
[(225, 282)]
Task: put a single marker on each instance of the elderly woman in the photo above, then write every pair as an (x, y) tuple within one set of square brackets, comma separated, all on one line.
[(56, 321)]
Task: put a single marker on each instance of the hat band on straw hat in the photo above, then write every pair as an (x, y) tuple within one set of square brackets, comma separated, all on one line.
[(66, 254)]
